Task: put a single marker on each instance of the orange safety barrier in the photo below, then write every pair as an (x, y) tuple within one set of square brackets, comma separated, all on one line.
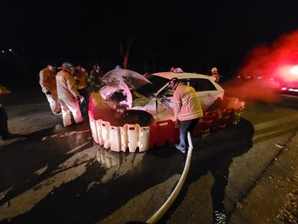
[(210, 121), (174, 129), (144, 138), (115, 139), (124, 138), (226, 117), (197, 131), (238, 113), (105, 134), (159, 133), (133, 136), (93, 127)]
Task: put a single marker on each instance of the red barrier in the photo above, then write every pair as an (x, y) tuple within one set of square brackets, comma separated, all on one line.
[(197, 131), (159, 133), (226, 118), (206, 124), (174, 129)]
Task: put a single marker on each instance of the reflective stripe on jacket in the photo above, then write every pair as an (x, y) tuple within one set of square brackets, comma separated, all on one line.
[(66, 87), (187, 104), (47, 81)]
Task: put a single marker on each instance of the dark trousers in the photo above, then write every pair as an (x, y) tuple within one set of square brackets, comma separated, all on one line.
[(3, 122), (84, 104), (186, 126)]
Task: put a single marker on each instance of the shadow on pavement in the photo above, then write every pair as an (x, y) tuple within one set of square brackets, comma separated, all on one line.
[(44, 149), (106, 185), (216, 159)]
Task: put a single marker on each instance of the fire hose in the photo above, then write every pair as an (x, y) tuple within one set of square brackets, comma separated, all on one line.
[(178, 187)]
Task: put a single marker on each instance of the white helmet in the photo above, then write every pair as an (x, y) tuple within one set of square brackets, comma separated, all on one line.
[(178, 70), (67, 65), (214, 69)]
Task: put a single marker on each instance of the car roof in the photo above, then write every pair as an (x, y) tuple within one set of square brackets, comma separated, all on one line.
[(182, 75), (188, 75)]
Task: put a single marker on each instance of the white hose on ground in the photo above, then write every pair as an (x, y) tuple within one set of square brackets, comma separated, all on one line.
[(178, 187)]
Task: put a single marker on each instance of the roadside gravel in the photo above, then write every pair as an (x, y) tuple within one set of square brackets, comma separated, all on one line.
[(277, 189)]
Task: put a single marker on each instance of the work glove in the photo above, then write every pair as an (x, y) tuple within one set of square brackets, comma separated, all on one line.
[(48, 93), (78, 98)]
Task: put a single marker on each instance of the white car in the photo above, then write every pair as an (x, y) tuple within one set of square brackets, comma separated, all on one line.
[(153, 93)]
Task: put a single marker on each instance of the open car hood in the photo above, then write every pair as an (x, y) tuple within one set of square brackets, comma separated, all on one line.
[(124, 80), (132, 79)]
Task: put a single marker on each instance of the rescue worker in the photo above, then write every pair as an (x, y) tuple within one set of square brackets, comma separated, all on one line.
[(187, 109), (4, 132), (95, 77), (82, 83), (68, 95), (47, 81), (215, 74)]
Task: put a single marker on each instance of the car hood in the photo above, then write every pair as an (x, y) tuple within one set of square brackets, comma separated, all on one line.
[(122, 79), (132, 79)]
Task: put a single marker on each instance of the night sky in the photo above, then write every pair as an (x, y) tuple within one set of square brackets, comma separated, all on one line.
[(194, 35)]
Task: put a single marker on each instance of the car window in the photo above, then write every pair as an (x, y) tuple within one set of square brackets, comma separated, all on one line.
[(150, 89), (201, 84), (166, 92)]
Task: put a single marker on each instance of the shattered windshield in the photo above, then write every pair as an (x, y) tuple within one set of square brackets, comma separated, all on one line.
[(150, 89)]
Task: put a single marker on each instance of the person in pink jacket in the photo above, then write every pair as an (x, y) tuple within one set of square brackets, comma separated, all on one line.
[(47, 81), (187, 109), (68, 94)]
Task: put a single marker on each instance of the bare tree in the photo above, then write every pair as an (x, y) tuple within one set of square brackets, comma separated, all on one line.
[(127, 35)]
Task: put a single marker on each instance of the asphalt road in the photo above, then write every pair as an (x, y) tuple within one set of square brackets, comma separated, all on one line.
[(58, 175)]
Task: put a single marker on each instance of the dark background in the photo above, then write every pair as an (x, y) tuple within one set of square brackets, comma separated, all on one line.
[(193, 35)]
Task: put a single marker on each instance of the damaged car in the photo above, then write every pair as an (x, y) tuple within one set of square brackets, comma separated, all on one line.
[(153, 94)]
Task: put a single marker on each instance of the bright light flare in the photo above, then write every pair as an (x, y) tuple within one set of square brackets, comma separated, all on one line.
[(288, 73), (294, 70), (276, 63)]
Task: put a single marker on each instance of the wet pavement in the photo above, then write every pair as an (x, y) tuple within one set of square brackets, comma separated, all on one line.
[(59, 175)]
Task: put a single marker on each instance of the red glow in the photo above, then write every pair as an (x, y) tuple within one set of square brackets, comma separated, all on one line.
[(276, 63), (274, 60), (294, 70)]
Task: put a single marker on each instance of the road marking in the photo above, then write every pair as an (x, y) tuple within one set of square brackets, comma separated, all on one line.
[(288, 119), (65, 134)]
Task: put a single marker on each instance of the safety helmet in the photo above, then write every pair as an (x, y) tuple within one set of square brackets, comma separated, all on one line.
[(118, 67), (178, 70), (214, 69), (173, 82), (67, 65), (52, 64)]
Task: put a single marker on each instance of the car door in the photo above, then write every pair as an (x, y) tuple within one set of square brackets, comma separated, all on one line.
[(206, 91)]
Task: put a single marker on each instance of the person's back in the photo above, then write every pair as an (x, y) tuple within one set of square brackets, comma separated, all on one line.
[(66, 85), (47, 80), (68, 95), (187, 109), (187, 97), (81, 78), (95, 78)]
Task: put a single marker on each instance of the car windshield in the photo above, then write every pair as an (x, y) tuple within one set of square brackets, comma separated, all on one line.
[(151, 89)]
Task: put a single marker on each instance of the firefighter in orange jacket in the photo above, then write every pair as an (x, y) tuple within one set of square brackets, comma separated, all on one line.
[(47, 82), (68, 94), (187, 109)]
